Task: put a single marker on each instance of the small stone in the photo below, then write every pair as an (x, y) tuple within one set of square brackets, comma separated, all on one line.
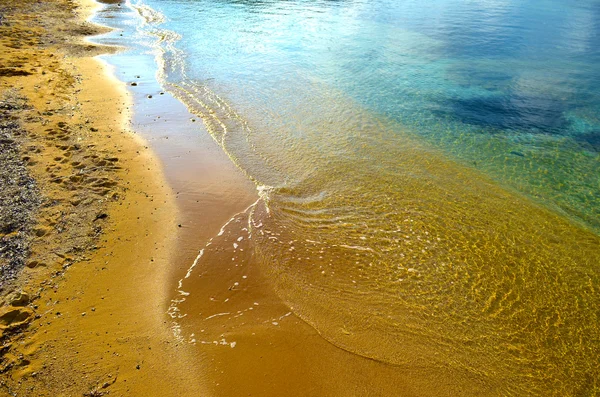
[(32, 264)]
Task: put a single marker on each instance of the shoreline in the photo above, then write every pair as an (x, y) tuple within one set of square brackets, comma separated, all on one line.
[(292, 354), (88, 314), (210, 191), (131, 189), (251, 342)]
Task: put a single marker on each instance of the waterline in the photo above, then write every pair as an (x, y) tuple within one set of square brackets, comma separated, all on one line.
[(385, 243)]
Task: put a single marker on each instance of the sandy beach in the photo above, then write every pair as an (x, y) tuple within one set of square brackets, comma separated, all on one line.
[(83, 301), (112, 229), (159, 238)]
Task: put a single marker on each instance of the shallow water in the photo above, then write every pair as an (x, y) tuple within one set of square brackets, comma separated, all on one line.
[(427, 172), (511, 87)]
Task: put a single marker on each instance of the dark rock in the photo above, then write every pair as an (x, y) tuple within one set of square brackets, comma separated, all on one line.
[(101, 216)]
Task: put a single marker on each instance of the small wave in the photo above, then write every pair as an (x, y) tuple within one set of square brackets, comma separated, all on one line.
[(149, 15), (225, 125)]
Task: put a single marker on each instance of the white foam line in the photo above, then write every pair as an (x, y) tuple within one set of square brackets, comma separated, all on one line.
[(221, 232), (225, 225), (356, 247), (313, 241), (285, 315), (236, 215), (189, 272), (173, 309), (217, 315)]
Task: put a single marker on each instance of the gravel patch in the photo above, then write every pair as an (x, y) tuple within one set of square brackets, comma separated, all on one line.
[(19, 195)]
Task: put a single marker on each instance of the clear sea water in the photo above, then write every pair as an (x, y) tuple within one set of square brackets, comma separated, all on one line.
[(429, 172), (512, 88)]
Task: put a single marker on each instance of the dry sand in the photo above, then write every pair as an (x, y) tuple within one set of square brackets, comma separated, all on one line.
[(86, 314)]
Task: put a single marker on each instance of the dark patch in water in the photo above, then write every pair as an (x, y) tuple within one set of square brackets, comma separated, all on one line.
[(515, 113), (591, 138)]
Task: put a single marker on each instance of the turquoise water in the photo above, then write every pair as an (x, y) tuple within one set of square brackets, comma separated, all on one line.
[(511, 88), (428, 173)]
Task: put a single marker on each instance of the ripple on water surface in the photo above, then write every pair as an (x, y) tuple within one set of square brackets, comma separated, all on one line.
[(408, 170), (416, 261)]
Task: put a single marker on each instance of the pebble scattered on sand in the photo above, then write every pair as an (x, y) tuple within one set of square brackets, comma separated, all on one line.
[(19, 195)]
